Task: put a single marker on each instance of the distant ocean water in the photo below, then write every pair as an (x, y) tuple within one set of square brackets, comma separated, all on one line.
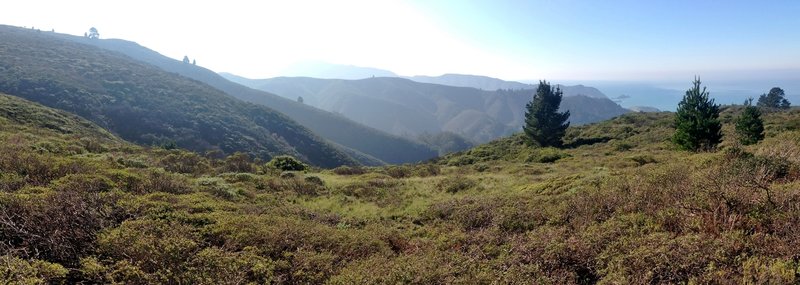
[(665, 95)]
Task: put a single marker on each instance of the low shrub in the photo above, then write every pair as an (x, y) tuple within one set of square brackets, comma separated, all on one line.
[(546, 155), (454, 184), (19, 271), (349, 170), (286, 163)]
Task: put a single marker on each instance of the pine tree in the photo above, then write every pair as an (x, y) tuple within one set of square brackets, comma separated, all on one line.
[(697, 120), (749, 126), (544, 125)]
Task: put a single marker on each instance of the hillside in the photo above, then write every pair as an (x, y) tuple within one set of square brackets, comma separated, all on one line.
[(22, 117), (363, 140), (403, 106), (618, 205), (146, 105)]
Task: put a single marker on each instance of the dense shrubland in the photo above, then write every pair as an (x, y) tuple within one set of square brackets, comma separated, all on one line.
[(617, 204)]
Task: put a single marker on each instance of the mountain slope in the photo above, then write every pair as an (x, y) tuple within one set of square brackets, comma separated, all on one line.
[(19, 115), (147, 105), (404, 106), (336, 128)]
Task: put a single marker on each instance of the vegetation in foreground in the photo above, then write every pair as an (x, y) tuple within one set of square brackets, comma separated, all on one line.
[(618, 204)]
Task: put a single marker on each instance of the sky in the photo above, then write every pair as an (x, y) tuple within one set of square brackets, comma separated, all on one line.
[(509, 39)]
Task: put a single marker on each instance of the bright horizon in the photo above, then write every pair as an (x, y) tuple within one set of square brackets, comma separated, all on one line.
[(556, 40)]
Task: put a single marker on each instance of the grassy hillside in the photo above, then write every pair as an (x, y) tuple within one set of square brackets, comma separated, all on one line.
[(368, 141), (618, 205), (144, 104), (403, 106)]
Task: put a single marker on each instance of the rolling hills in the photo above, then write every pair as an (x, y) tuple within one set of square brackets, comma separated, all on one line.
[(406, 107), (618, 205), (147, 105), (375, 145)]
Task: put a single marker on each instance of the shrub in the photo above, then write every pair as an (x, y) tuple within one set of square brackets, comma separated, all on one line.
[(286, 163), (56, 226), (238, 162), (546, 155), (622, 146), (19, 271), (454, 184), (642, 159), (348, 170), (314, 180), (159, 248), (185, 162)]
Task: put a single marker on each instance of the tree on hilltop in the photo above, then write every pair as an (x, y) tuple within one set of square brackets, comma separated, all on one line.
[(775, 99), (697, 120), (544, 125), (93, 33)]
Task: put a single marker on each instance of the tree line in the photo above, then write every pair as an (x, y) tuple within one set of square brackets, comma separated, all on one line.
[(697, 124)]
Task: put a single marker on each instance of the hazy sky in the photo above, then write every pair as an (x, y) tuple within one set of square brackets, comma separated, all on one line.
[(513, 39)]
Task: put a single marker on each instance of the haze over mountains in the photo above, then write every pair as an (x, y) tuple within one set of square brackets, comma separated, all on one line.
[(371, 146), (406, 107)]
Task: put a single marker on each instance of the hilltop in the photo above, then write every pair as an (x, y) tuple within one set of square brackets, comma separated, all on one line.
[(147, 105)]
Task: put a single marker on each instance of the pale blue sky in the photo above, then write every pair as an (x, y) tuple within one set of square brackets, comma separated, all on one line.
[(510, 39)]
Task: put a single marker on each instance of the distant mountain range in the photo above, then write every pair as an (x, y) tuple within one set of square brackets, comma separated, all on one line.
[(318, 69), (492, 84), (369, 145), (409, 108)]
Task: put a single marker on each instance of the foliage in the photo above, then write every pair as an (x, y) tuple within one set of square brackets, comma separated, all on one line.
[(749, 126), (544, 125), (147, 105), (93, 33), (446, 142), (286, 163), (697, 121), (774, 99)]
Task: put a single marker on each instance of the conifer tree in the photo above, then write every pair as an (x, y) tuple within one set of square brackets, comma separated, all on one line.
[(749, 126), (775, 99), (697, 121), (544, 125)]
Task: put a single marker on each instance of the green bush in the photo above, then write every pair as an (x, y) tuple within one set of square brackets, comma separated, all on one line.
[(19, 271), (286, 163), (348, 170), (456, 184), (546, 155)]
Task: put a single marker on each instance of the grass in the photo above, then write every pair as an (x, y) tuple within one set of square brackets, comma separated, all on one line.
[(619, 205)]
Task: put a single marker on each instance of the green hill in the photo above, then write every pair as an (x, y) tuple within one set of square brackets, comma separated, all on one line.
[(146, 105), (403, 106), (618, 205), (370, 142)]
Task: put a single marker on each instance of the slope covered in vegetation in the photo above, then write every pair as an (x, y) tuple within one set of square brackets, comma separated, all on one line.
[(146, 105), (366, 141), (618, 205)]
